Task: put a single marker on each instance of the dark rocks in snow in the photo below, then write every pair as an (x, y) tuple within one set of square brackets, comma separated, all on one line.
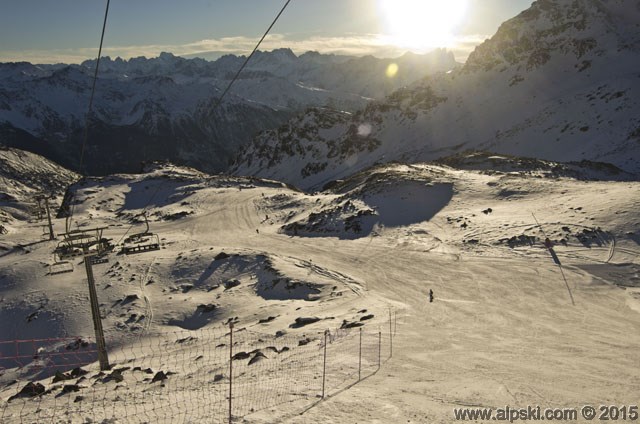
[(265, 320), (75, 373), (230, 284), (115, 375), (257, 357), (160, 376), (521, 240), (130, 298), (487, 211), (186, 287), (186, 339), (221, 256), (69, 388), (366, 317), (241, 355), (218, 377), (304, 342), (33, 316), (30, 390), (177, 215), (347, 324), (302, 321), (275, 349), (207, 308)]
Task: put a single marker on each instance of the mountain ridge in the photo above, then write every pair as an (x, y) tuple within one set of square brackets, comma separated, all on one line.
[(538, 88), (166, 107)]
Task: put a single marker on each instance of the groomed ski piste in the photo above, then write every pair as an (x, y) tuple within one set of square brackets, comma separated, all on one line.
[(501, 330)]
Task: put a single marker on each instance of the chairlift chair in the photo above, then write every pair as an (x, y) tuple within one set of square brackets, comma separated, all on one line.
[(60, 266), (65, 250), (141, 242)]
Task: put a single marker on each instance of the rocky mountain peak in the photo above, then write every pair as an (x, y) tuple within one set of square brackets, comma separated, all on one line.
[(579, 29)]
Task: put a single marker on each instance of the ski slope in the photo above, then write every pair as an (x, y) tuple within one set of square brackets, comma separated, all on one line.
[(501, 331)]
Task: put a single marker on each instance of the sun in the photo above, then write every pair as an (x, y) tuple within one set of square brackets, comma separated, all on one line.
[(422, 24)]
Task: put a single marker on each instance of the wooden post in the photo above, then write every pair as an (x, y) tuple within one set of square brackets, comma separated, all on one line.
[(390, 336), (360, 356), (395, 322), (230, 369), (324, 364), (46, 206), (379, 347)]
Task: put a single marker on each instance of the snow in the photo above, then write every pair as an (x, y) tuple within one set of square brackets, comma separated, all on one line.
[(558, 82), (501, 331)]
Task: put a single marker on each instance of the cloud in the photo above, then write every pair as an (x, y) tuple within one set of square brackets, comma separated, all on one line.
[(350, 44)]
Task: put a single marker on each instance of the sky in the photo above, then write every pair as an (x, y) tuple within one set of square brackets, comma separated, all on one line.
[(68, 31)]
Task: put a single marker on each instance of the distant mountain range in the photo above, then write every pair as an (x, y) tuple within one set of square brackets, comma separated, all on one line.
[(164, 107), (560, 81)]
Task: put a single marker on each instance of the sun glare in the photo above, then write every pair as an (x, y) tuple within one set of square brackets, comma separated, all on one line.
[(422, 24)]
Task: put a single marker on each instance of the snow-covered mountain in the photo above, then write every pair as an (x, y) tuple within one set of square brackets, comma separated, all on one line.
[(559, 81), (164, 107), (23, 176)]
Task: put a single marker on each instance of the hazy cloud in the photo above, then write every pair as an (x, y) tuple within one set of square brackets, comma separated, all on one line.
[(353, 44)]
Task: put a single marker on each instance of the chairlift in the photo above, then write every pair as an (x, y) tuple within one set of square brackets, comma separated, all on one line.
[(60, 266), (79, 242), (66, 250), (141, 242)]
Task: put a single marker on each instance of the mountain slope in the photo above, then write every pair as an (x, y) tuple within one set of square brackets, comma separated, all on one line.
[(501, 330), (23, 176), (165, 107), (557, 82)]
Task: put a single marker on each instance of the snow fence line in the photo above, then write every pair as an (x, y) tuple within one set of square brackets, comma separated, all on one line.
[(211, 375)]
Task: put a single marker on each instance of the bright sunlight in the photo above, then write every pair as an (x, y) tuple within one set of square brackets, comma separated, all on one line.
[(422, 24)]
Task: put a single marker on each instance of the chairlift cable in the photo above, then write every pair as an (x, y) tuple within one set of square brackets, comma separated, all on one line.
[(144, 209), (249, 57), (89, 109)]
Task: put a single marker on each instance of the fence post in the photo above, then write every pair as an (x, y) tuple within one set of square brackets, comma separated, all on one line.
[(324, 364), (379, 347), (395, 322), (230, 368), (390, 336), (360, 355)]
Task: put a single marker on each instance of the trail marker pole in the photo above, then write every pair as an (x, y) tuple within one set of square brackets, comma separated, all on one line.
[(103, 358), (324, 363), (395, 322), (43, 199), (379, 347), (557, 261), (46, 206), (390, 336), (230, 368), (360, 356)]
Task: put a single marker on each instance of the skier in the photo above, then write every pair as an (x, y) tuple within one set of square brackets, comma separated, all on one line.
[(430, 296), (548, 243)]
